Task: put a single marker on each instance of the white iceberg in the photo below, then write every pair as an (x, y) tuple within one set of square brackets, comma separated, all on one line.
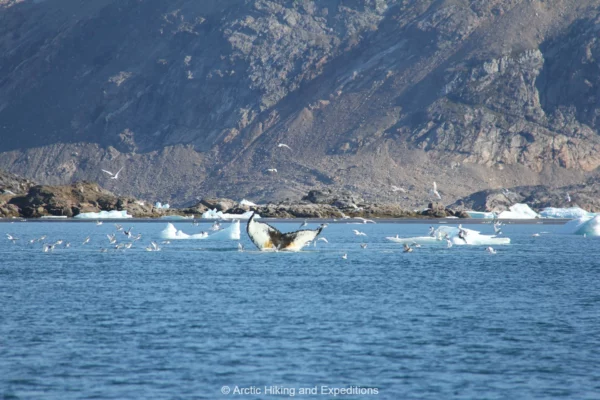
[(481, 214), (245, 202), (439, 238), (518, 211), (588, 226), (232, 232), (567, 213), (214, 214), (104, 215)]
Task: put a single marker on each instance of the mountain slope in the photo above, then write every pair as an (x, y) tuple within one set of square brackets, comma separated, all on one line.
[(192, 99)]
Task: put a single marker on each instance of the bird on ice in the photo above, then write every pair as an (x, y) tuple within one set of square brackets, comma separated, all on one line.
[(273, 170), (284, 145), (113, 176), (358, 233)]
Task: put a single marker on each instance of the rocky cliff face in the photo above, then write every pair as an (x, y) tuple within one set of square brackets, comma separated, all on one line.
[(193, 98)]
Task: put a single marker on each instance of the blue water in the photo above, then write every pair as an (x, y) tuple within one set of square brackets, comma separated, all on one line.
[(185, 321)]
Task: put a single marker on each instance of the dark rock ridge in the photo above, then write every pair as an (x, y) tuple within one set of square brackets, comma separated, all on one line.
[(192, 98)]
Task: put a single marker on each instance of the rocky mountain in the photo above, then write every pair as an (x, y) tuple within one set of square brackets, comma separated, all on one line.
[(192, 98)]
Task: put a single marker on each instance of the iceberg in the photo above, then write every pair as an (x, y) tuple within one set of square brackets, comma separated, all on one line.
[(245, 202), (214, 214), (481, 214), (518, 211), (104, 215), (588, 226), (472, 238), (567, 213), (232, 232)]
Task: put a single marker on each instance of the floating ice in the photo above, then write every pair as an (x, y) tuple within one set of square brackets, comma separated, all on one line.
[(214, 214), (472, 238), (245, 202), (481, 214), (104, 215), (518, 211), (589, 226), (232, 232), (569, 213)]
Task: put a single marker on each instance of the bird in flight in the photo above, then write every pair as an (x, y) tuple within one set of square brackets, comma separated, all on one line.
[(396, 188), (272, 169), (113, 176), (434, 192), (357, 233), (284, 145)]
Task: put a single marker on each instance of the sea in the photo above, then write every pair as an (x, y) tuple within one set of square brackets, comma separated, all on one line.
[(200, 319)]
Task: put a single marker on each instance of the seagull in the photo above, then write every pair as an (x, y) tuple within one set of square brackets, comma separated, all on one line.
[(215, 226), (415, 244), (434, 192), (357, 233), (119, 227), (303, 224), (535, 235), (497, 229), (240, 247), (431, 231), (112, 238), (364, 220), (274, 170), (11, 238), (98, 222), (284, 145), (568, 198), (363, 245), (113, 176), (448, 242), (128, 232), (407, 248), (345, 256), (396, 189), (462, 233), (323, 239), (48, 247), (490, 250), (87, 240)]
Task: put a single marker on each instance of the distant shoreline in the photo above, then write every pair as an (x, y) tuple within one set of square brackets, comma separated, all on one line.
[(432, 221)]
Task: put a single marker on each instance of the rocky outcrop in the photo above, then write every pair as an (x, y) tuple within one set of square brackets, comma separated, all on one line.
[(193, 98)]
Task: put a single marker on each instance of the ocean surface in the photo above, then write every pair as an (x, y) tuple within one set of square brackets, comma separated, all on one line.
[(201, 320)]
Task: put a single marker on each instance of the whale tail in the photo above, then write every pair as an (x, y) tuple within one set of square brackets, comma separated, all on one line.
[(266, 237)]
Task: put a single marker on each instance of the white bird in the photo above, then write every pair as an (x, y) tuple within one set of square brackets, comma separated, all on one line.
[(490, 250), (396, 189), (274, 170), (98, 222), (87, 240), (303, 224), (240, 247), (119, 227), (358, 233), (284, 145), (568, 198), (128, 232), (345, 256), (112, 238), (497, 229), (415, 244), (11, 238), (113, 176), (535, 235), (431, 231), (323, 239), (448, 243), (407, 248), (434, 192), (363, 245), (48, 247), (364, 220)]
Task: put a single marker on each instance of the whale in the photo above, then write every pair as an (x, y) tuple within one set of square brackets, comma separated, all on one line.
[(267, 238)]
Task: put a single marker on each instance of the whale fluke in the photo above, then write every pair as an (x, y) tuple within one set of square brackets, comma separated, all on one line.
[(266, 237)]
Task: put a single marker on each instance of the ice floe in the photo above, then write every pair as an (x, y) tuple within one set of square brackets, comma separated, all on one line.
[(481, 214), (568, 213), (518, 211), (588, 226), (214, 214), (438, 237), (232, 232), (104, 215)]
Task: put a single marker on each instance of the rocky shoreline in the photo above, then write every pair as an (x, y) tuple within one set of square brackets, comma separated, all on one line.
[(21, 198)]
